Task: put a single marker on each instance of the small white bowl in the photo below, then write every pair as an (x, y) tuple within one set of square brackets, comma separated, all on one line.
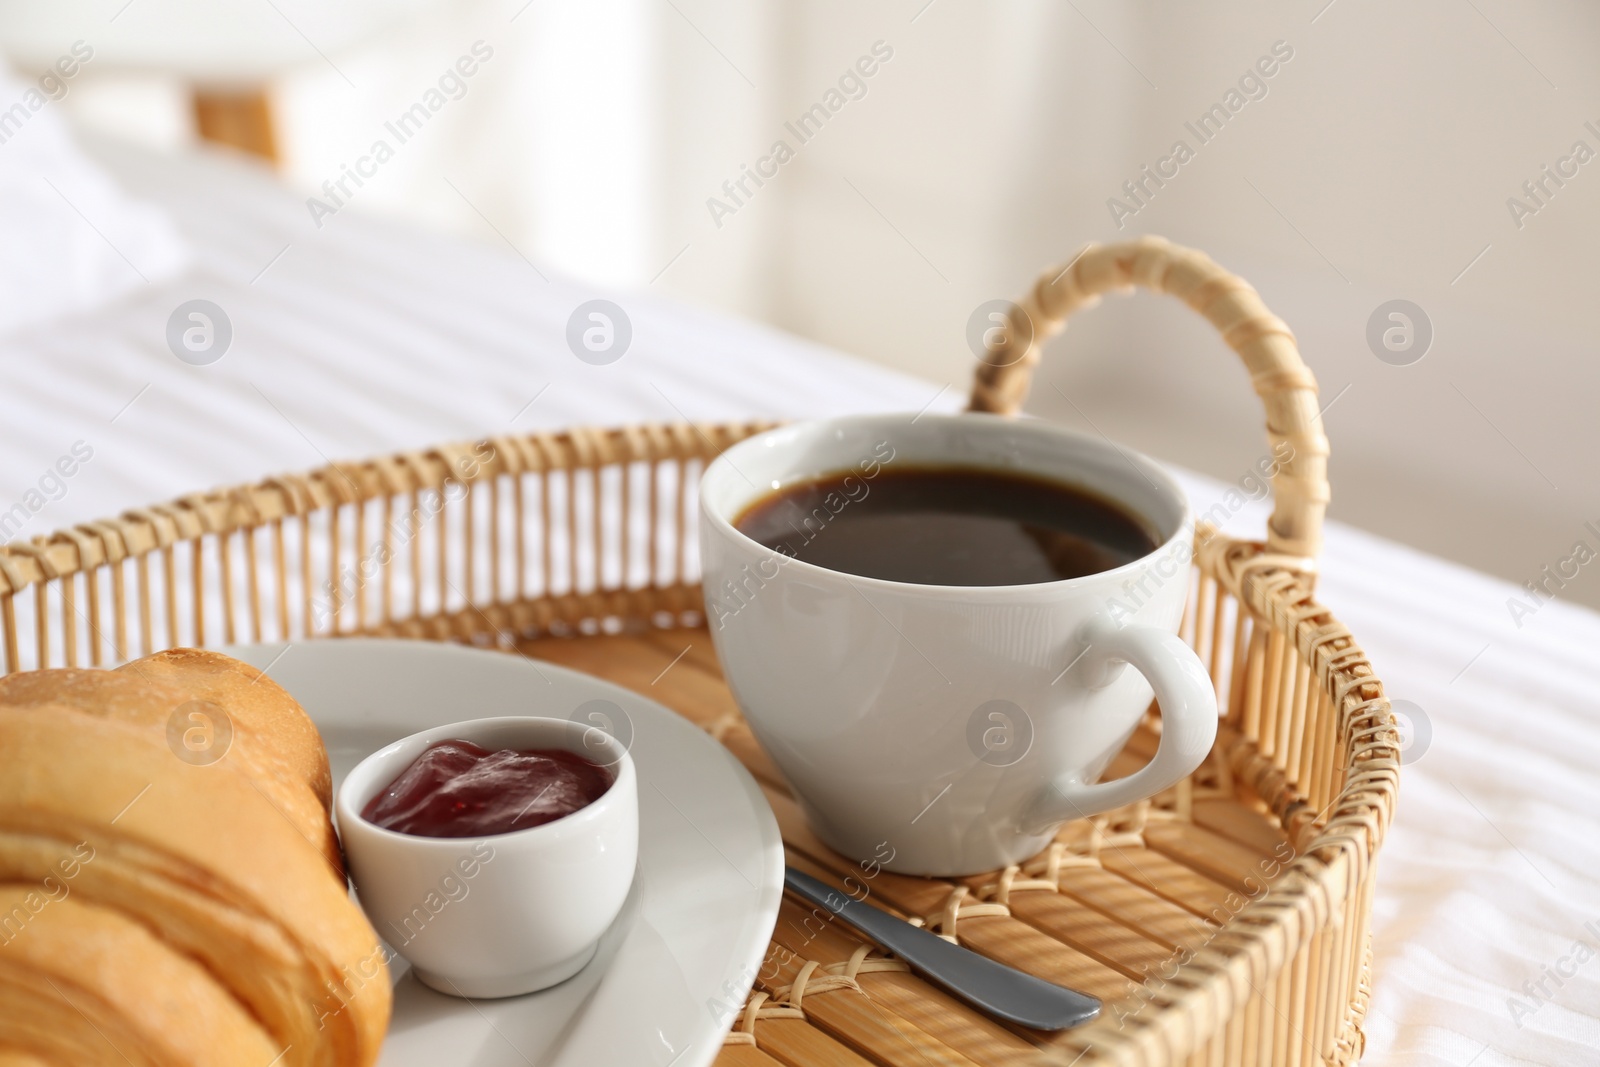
[(504, 914)]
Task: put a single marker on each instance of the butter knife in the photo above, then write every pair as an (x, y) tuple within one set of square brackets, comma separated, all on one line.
[(991, 987)]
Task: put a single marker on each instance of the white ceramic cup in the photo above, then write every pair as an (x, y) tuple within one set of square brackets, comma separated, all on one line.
[(503, 914), (952, 728)]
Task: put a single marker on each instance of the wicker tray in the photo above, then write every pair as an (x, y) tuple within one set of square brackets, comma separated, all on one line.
[(1225, 921)]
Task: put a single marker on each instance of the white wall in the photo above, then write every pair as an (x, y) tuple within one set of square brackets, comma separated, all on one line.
[(1377, 166)]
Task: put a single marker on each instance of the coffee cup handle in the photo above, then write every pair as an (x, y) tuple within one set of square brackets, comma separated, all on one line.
[(1188, 719)]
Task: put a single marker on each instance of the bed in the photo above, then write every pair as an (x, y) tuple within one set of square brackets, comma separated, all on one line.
[(365, 336)]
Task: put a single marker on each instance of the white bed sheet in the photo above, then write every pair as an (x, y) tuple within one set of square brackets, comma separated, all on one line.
[(364, 337)]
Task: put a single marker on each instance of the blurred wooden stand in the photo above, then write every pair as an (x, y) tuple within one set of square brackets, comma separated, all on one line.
[(227, 54), (241, 120)]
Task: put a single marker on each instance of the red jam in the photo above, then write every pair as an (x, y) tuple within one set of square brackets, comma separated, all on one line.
[(456, 789)]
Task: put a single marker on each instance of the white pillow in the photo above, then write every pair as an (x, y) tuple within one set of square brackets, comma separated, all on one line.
[(70, 239)]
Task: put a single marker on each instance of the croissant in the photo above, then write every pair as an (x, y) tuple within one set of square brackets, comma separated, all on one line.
[(281, 737), (64, 963), (261, 730), (223, 874)]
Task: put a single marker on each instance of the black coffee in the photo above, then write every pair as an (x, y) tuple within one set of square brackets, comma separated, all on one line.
[(947, 526)]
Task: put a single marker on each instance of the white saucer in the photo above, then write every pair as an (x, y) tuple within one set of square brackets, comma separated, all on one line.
[(677, 964)]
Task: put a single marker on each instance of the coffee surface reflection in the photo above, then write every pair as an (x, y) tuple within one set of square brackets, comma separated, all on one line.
[(947, 526)]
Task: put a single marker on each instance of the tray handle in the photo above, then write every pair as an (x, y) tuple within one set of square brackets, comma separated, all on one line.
[(1280, 377)]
